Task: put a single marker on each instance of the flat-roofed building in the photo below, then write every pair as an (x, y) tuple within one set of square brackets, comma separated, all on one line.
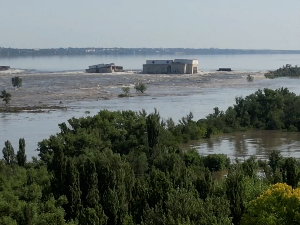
[(191, 65), (177, 66), (157, 66)]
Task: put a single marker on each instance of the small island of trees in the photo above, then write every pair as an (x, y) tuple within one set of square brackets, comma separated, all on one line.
[(286, 71)]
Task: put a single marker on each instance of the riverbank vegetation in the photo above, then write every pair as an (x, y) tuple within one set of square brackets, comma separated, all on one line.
[(265, 109), (286, 71), (127, 167)]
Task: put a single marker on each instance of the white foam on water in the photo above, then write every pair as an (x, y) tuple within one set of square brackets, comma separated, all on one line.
[(12, 71)]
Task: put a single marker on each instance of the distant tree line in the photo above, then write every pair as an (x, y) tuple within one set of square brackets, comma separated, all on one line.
[(14, 52)]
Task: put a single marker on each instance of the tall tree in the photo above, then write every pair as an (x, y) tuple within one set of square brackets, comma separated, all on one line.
[(92, 212), (153, 128), (21, 156), (8, 153), (58, 166), (274, 160), (16, 81), (74, 207), (235, 193), (290, 172)]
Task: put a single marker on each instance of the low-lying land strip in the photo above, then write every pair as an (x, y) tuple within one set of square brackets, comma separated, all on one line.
[(30, 109)]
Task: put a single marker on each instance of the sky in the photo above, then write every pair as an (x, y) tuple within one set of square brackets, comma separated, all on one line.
[(234, 24)]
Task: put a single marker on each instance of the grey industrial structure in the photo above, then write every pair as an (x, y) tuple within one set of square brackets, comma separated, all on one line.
[(104, 68), (4, 68), (225, 69), (177, 66)]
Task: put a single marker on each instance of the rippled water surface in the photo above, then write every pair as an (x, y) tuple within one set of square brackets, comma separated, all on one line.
[(258, 143), (173, 95)]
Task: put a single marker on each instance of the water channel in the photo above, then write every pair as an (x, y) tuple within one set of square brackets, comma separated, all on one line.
[(173, 95)]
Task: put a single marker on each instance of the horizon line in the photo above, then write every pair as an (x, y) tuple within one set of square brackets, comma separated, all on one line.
[(211, 48)]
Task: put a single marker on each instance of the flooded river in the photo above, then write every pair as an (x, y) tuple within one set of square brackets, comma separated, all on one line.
[(173, 95), (244, 144)]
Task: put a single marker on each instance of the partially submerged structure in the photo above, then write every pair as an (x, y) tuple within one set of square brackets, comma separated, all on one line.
[(177, 66), (224, 69), (4, 68), (104, 68)]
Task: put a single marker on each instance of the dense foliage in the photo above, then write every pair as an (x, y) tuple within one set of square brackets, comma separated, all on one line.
[(265, 109), (278, 205), (286, 71), (127, 167)]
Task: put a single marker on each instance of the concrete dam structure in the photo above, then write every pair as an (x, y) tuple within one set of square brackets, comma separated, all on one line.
[(177, 66), (2, 68)]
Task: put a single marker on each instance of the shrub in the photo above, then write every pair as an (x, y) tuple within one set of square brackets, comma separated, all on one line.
[(216, 162), (278, 205), (140, 87), (250, 78), (6, 96), (126, 90), (292, 128)]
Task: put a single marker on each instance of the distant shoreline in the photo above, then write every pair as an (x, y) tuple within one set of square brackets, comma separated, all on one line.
[(15, 52)]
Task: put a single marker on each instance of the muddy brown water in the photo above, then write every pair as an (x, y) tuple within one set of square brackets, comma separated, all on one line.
[(244, 144)]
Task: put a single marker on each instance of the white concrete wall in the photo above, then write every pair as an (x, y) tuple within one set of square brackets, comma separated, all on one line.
[(192, 68)]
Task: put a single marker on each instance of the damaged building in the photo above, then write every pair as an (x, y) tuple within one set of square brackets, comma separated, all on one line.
[(104, 68)]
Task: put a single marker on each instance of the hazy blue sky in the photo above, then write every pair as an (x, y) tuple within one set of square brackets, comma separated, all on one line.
[(251, 24)]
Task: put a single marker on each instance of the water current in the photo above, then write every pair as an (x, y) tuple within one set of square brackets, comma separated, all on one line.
[(51, 80)]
